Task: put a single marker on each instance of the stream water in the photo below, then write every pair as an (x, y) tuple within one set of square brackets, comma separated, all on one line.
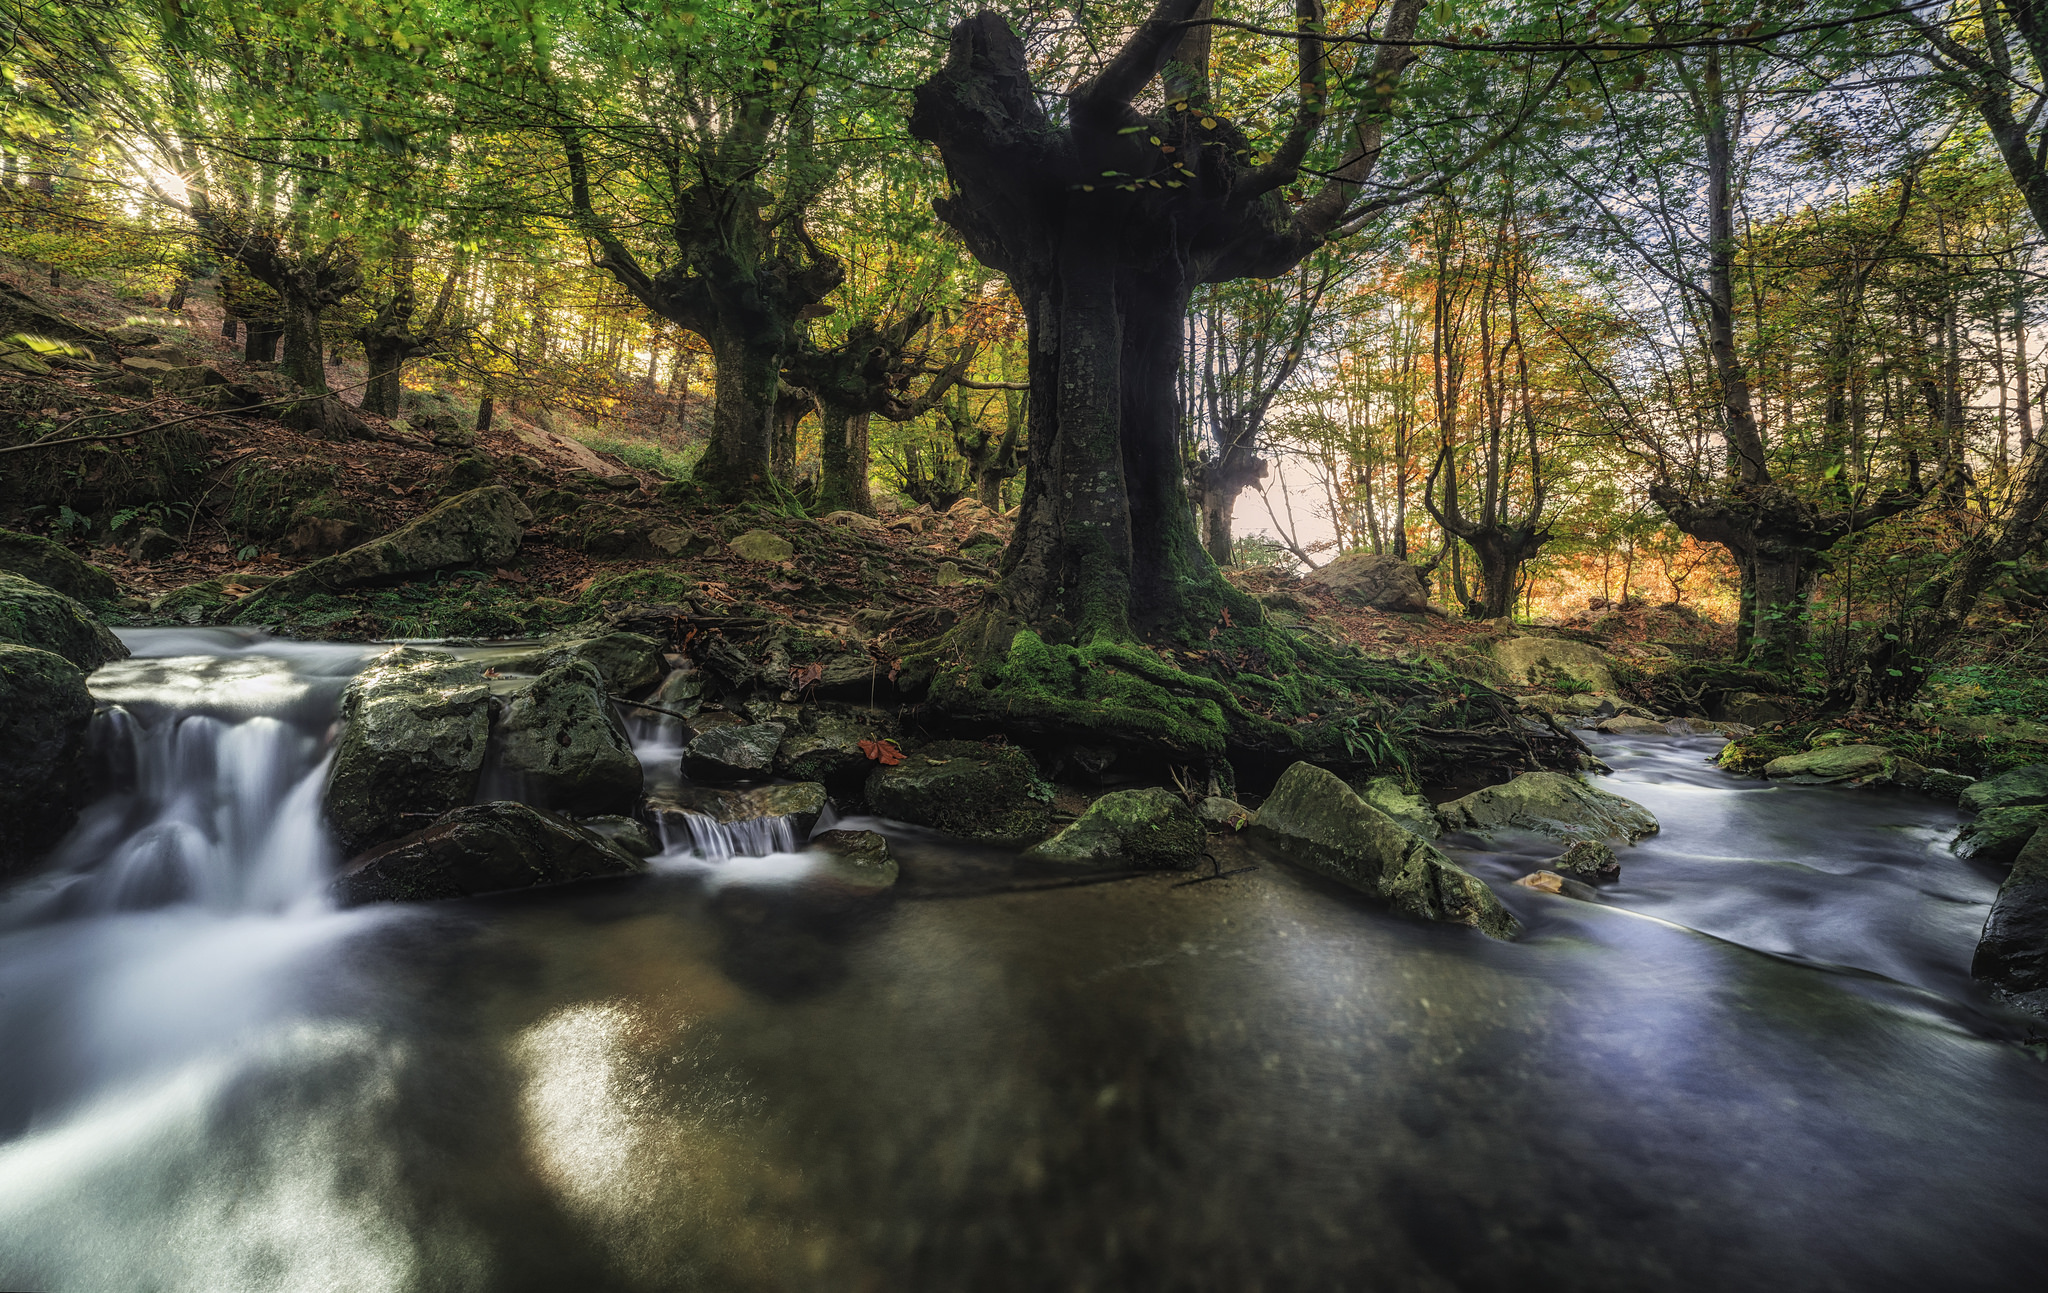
[(1756, 1062)]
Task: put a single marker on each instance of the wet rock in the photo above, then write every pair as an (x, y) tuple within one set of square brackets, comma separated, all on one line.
[(1549, 803), (1630, 725), (860, 861), (561, 742), (2020, 786), (628, 833), (2012, 955), (1370, 579), (415, 726), (737, 753), (1152, 829), (625, 661), (55, 566), (1542, 881), (801, 802), (194, 603), (1998, 834), (1409, 811), (1589, 860), (1220, 814), (979, 792), (1831, 764), (762, 545), (479, 529), (1548, 662), (152, 544), (682, 692), (32, 615), (44, 713), (479, 849), (1316, 821), (825, 745)]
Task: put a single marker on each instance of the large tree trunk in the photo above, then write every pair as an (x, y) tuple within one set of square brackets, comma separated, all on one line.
[(305, 348), (384, 393), (791, 404), (738, 458), (260, 345), (843, 449)]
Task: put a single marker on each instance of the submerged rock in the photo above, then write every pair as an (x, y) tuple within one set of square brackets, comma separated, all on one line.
[(32, 615), (44, 713), (2012, 955), (741, 752), (1152, 828), (2028, 785), (55, 566), (1372, 579), (1314, 820), (1549, 803), (860, 861), (561, 742), (1409, 811), (479, 529), (1998, 834), (415, 726), (479, 849), (1588, 859), (979, 792)]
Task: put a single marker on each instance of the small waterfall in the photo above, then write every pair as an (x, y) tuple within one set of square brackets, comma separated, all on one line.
[(220, 812), (716, 841)]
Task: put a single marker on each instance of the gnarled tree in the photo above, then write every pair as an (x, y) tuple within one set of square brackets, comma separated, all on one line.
[(869, 375)]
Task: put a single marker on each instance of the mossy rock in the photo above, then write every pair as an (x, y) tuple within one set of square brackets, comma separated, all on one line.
[(2020, 786), (992, 794), (479, 849), (1152, 829), (1998, 834), (562, 744), (648, 585), (55, 566), (415, 726), (45, 711), (1549, 803), (268, 496), (34, 616), (1406, 809)]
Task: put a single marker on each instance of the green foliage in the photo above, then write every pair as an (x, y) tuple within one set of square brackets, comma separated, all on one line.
[(645, 455)]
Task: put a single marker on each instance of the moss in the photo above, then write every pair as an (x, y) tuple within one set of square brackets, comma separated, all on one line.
[(650, 584), (268, 496)]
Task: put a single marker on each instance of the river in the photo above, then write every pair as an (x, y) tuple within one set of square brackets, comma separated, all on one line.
[(1757, 1061)]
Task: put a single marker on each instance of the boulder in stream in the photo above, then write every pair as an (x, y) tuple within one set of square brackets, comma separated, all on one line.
[(626, 661), (738, 752), (562, 745), (989, 793), (32, 615), (2016, 788), (415, 726), (55, 566), (801, 802), (44, 713), (825, 744), (1831, 764), (1409, 811), (2012, 955), (1549, 803), (1998, 834), (1152, 829), (1588, 860), (860, 861), (479, 849), (1316, 821)]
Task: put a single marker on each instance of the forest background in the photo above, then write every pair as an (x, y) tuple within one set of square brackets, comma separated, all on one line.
[(1730, 306)]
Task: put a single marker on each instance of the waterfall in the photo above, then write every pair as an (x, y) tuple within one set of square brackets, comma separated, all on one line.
[(716, 841)]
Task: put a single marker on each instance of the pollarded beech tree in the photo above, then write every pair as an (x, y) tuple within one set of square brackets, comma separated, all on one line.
[(1105, 214)]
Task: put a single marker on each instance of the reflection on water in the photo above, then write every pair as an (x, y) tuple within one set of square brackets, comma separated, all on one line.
[(1757, 1061)]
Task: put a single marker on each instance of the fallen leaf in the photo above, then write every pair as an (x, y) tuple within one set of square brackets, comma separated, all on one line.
[(882, 752), (1543, 881), (512, 576)]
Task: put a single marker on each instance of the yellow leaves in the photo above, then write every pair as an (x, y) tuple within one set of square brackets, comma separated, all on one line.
[(1208, 123)]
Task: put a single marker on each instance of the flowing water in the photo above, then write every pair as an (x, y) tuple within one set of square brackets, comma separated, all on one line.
[(1756, 1062)]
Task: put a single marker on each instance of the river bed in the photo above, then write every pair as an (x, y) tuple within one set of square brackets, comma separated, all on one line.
[(1756, 1062)]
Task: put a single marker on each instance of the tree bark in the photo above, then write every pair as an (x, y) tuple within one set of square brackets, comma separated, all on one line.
[(843, 478), (791, 404)]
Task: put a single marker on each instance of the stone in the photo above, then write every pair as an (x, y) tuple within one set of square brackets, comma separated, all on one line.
[(24, 361), (44, 713), (562, 744), (480, 849), (671, 540), (947, 575), (1220, 814), (1409, 811), (1152, 829), (682, 692), (860, 860), (192, 377), (629, 833), (871, 621), (739, 753), (2012, 954), (1630, 725), (126, 335), (1543, 882), (414, 728), (154, 369), (1548, 662), (988, 793), (1831, 764), (852, 521), (32, 615), (196, 602), (55, 566), (802, 802), (1371, 579), (627, 662), (1998, 834), (1751, 709), (1588, 859), (825, 745), (1314, 820), (477, 530), (2027, 785), (152, 544), (762, 545), (1998, 727), (1549, 803)]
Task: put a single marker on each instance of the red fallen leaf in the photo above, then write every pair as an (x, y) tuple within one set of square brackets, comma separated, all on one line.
[(806, 676), (512, 575), (882, 752), (1226, 617)]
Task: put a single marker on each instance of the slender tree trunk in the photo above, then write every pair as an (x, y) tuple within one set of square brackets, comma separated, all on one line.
[(385, 392), (484, 409), (791, 403)]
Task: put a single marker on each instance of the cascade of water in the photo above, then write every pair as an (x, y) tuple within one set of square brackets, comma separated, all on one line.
[(716, 841)]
